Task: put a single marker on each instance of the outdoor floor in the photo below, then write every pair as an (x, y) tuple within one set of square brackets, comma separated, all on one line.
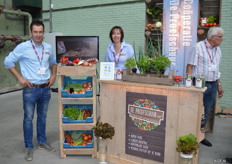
[(12, 145)]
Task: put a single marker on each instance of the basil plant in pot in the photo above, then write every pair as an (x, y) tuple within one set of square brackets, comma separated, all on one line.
[(160, 63), (131, 63), (144, 64), (103, 131), (187, 145)]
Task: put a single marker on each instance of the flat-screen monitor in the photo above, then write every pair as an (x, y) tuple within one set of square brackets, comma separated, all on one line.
[(83, 47)]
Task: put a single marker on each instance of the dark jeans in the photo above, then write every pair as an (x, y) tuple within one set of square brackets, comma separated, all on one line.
[(208, 98), (40, 98)]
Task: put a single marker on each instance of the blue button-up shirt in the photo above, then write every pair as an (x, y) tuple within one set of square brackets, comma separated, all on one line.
[(125, 52), (29, 62)]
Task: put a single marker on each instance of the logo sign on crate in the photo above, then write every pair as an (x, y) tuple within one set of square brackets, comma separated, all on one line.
[(145, 125), (180, 19)]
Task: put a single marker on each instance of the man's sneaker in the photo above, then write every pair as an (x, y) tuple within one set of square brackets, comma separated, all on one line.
[(47, 147), (29, 154)]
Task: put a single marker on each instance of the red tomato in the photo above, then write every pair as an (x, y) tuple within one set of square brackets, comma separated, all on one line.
[(64, 60), (214, 24), (90, 136), (84, 143), (86, 138), (77, 60), (84, 134)]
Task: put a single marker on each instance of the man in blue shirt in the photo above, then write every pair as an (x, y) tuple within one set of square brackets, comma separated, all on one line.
[(38, 72)]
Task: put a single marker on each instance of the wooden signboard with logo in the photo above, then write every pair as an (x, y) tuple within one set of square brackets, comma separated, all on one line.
[(145, 125), (148, 119)]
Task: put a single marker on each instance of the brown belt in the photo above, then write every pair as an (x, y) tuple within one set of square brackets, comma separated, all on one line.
[(39, 86)]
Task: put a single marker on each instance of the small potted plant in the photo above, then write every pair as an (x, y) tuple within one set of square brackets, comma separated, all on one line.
[(131, 63), (160, 63), (144, 64), (103, 131), (187, 145)]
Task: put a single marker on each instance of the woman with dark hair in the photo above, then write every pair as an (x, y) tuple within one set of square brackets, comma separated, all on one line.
[(118, 51)]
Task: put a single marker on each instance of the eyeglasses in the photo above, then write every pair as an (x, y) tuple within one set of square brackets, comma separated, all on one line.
[(219, 36)]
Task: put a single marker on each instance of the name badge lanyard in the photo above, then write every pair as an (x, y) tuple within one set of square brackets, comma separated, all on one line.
[(40, 61), (210, 57), (117, 61)]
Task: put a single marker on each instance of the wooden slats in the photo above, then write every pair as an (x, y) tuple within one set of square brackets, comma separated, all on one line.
[(210, 3), (210, 7)]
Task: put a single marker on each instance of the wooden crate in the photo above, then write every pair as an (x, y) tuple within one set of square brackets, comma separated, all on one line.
[(80, 71), (147, 78)]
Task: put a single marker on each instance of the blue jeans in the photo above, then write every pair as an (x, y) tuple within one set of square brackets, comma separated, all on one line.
[(40, 98), (208, 98)]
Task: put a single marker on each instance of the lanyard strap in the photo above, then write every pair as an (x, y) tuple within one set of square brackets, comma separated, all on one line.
[(210, 57), (40, 61), (117, 61)]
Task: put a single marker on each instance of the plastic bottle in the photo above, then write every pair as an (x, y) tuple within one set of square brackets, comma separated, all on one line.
[(198, 82), (188, 81), (203, 81)]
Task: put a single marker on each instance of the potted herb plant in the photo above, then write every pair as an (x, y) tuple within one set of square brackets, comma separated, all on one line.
[(160, 63), (187, 145), (131, 63), (144, 64), (103, 131)]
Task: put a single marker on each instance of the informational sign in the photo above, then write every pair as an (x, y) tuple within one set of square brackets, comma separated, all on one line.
[(107, 70), (145, 125), (180, 21)]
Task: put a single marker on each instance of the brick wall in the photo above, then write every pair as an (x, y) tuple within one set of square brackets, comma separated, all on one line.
[(226, 66), (86, 18), (79, 17)]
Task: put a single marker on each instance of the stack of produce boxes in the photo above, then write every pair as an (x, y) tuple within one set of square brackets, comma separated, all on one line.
[(77, 113)]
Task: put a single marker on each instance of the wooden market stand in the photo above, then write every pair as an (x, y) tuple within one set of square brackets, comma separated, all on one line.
[(63, 71), (183, 116)]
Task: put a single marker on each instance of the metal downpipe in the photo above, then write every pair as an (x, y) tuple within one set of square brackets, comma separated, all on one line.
[(18, 13)]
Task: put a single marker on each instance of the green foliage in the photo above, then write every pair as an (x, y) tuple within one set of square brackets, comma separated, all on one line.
[(71, 112), (144, 63), (145, 56), (187, 144), (130, 62), (150, 49), (212, 19), (160, 63), (155, 13), (103, 130)]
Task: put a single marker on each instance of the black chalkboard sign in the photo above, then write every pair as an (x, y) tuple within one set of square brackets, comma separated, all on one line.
[(145, 125)]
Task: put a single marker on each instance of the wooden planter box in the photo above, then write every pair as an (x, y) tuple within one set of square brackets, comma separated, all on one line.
[(146, 78)]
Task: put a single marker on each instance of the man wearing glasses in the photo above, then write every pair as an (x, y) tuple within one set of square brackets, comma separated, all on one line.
[(205, 60)]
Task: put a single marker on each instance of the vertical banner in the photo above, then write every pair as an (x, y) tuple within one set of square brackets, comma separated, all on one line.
[(145, 125), (180, 21)]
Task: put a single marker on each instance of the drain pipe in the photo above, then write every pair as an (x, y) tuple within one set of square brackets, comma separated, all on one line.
[(18, 13), (50, 12)]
